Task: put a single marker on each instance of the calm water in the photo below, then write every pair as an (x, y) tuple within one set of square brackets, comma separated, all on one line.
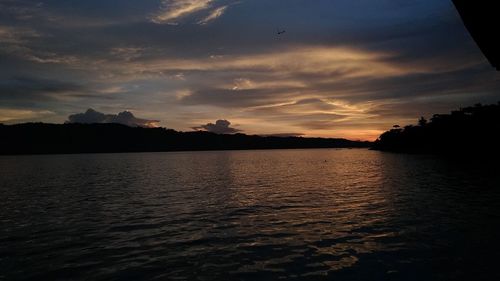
[(248, 215)]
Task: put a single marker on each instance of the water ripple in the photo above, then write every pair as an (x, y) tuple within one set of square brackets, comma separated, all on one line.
[(247, 215)]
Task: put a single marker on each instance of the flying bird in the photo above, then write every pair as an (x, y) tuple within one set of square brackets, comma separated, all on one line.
[(281, 31)]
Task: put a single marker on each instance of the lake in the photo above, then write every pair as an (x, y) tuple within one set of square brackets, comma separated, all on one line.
[(325, 214)]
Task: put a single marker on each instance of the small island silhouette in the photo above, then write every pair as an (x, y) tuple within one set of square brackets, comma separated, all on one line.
[(471, 131), (42, 138)]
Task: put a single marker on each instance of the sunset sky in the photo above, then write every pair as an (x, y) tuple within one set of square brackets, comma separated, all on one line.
[(343, 68)]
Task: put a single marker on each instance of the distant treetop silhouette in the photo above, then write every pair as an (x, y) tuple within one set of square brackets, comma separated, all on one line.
[(40, 138), (469, 130)]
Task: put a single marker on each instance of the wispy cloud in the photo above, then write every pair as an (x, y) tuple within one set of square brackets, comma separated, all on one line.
[(127, 53), (17, 41), (173, 10), (16, 115), (326, 61), (214, 14), (16, 35)]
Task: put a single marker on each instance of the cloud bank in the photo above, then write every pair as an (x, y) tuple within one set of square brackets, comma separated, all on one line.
[(125, 118)]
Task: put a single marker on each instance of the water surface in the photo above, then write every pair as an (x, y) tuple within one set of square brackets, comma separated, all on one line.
[(325, 214)]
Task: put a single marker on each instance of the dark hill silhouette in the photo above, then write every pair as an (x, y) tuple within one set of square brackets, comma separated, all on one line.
[(472, 130), (41, 138)]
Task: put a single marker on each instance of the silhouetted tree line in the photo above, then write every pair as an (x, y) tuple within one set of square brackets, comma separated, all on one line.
[(471, 130), (41, 138)]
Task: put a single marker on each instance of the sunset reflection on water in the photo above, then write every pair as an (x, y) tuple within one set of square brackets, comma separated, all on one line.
[(308, 214)]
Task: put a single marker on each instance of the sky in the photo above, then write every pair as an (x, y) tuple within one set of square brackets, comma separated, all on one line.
[(343, 68)]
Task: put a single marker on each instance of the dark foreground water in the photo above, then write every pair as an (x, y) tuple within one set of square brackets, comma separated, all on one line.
[(248, 215)]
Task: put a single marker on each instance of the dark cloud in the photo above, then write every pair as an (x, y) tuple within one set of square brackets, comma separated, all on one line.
[(236, 98), (474, 80), (35, 88), (220, 127), (20, 9), (125, 118)]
